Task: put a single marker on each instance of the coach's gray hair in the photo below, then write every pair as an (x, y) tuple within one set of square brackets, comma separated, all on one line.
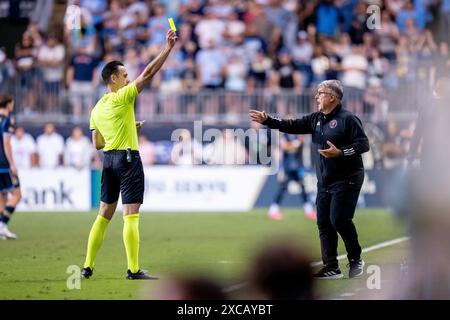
[(335, 86)]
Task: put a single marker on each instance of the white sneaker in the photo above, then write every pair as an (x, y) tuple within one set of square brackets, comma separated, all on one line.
[(5, 234), (274, 212), (310, 213)]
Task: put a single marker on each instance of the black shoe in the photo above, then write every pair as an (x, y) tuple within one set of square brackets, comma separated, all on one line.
[(87, 272), (140, 275), (328, 273), (356, 268)]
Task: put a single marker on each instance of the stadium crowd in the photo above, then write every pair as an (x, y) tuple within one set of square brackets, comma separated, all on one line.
[(258, 48), (235, 46)]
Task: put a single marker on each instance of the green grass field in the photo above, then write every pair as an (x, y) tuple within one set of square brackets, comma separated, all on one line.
[(220, 245)]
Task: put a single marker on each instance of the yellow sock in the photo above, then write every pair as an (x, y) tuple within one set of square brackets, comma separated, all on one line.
[(131, 240), (95, 240)]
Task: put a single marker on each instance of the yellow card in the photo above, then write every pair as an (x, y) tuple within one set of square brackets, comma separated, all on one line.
[(172, 24)]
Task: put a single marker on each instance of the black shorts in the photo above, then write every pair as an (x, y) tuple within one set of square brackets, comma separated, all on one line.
[(121, 176), (6, 182)]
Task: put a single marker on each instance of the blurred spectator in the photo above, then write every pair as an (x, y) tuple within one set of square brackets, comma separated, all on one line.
[(260, 68), (35, 34), (235, 73), (395, 144), (257, 22), (210, 29), (42, 13), (285, 75), (138, 6), (343, 47), (171, 73), (359, 26), (50, 147), (346, 10), (25, 60), (6, 70), (110, 35), (405, 62), (302, 54), (194, 11), (146, 150), (51, 59), (210, 62), (157, 26), (81, 80), (327, 16), (254, 43), (221, 8), (23, 148), (189, 288), (277, 14), (409, 13), (282, 271), (354, 69), (83, 35), (442, 61), (132, 63), (284, 78), (445, 18), (234, 26), (387, 36), (188, 75), (320, 65), (78, 152), (96, 8)]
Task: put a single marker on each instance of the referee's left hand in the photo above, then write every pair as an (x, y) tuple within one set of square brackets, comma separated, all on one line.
[(331, 152), (139, 124)]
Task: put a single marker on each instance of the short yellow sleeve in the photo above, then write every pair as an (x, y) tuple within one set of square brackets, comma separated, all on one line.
[(92, 125), (127, 94)]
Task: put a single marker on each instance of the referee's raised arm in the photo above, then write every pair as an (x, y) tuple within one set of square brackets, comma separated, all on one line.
[(153, 67)]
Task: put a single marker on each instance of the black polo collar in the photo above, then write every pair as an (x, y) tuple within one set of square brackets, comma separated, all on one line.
[(332, 113)]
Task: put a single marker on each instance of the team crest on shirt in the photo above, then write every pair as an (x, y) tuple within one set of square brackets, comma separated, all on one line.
[(333, 124)]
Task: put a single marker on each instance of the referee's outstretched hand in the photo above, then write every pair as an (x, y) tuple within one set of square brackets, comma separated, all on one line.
[(258, 116), (171, 38)]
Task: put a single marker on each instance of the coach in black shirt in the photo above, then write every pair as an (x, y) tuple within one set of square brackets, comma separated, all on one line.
[(341, 140)]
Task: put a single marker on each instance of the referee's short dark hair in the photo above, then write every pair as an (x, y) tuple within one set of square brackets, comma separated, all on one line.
[(4, 100), (109, 69)]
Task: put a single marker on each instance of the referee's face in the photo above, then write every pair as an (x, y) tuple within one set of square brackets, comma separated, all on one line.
[(122, 77)]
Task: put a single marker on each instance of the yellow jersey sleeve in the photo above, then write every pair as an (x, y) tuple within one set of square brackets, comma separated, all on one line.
[(127, 94), (92, 125)]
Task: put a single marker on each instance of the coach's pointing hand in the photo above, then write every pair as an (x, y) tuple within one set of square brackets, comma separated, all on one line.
[(258, 116), (331, 152)]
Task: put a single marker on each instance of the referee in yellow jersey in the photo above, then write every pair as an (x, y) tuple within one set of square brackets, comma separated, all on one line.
[(113, 128)]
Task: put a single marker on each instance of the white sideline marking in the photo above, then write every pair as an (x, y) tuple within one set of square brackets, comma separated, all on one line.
[(368, 249), (348, 294), (234, 287), (380, 245)]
